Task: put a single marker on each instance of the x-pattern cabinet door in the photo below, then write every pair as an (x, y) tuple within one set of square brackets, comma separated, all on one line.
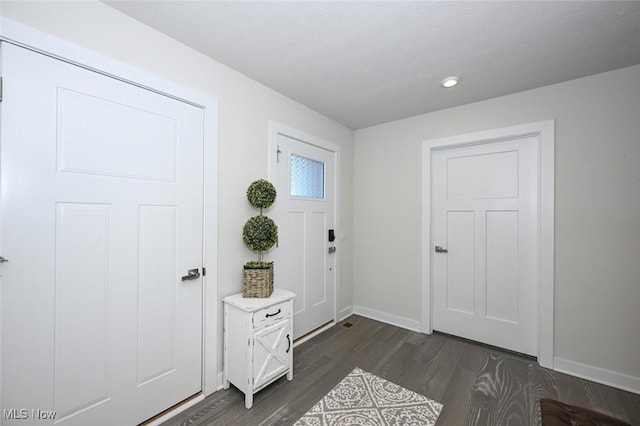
[(271, 352)]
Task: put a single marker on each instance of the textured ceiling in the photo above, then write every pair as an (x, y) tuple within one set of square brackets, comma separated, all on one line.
[(369, 62)]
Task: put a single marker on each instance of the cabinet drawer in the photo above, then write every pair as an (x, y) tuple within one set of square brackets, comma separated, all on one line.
[(271, 314)]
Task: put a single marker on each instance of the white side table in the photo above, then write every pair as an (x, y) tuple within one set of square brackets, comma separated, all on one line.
[(258, 345)]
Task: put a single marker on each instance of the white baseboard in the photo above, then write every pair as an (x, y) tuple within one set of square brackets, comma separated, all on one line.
[(177, 410), (314, 333), (345, 312), (599, 375), (220, 381), (401, 322)]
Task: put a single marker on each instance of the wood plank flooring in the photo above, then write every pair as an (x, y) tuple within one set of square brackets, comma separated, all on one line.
[(478, 385)]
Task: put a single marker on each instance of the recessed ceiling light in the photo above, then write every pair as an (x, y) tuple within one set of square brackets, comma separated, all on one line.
[(450, 82)]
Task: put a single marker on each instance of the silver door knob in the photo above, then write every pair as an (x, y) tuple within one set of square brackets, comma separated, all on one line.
[(439, 249), (192, 274)]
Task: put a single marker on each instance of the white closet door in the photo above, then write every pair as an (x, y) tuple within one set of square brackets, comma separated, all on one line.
[(485, 205), (102, 199)]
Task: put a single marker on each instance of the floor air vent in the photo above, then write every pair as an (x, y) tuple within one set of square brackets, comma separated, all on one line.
[(349, 324)]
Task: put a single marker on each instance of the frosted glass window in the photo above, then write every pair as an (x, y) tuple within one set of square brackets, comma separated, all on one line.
[(307, 177)]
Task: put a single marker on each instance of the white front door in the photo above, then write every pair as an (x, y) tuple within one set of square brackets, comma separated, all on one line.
[(485, 205), (102, 199), (304, 211)]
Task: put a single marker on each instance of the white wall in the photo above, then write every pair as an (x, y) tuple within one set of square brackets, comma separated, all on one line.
[(245, 108), (597, 247)]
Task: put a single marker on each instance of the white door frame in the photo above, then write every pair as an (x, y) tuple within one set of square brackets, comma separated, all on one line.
[(545, 131), (30, 38), (276, 129)]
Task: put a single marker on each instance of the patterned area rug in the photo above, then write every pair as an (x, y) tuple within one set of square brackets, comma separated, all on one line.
[(364, 399)]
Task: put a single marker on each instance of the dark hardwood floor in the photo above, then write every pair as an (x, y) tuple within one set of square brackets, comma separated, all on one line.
[(478, 385)]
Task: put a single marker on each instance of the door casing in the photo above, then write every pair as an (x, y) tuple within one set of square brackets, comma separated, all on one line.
[(545, 133), (27, 37), (276, 129)]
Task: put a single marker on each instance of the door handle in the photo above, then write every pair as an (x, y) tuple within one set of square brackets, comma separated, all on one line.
[(192, 274), (2, 259), (288, 344), (439, 249)]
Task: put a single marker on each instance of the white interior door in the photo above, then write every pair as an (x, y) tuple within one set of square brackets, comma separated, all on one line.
[(305, 212), (102, 199), (485, 206)]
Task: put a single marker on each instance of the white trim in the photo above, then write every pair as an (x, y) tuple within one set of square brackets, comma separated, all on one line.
[(313, 334), (220, 381), (402, 322), (38, 41), (599, 375), (27, 37), (545, 130), (345, 313), (546, 243), (210, 352), (276, 129), (177, 410)]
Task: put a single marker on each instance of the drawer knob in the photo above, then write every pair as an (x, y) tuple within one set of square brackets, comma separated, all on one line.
[(273, 315)]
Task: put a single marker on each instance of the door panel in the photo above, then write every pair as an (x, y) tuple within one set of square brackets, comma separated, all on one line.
[(304, 212), (461, 280), (78, 112), (316, 249), (502, 265), (157, 236), (485, 216), (495, 176), (101, 215), (81, 347), (272, 346)]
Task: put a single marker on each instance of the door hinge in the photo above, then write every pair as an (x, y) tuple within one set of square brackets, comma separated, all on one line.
[(0, 89), (204, 271), (278, 154)]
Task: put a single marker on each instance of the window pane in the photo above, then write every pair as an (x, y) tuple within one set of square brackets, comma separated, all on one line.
[(307, 177)]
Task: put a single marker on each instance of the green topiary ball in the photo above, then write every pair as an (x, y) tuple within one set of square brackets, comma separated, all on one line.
[(260, 233), (261, 194)]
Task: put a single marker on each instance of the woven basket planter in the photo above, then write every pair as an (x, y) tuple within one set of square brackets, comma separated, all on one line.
[(257, 282)]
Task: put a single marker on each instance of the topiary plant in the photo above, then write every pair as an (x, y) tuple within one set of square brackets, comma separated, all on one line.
[(261, 194), (260, 233)]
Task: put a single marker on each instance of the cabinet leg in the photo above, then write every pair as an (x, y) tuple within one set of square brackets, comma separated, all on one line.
[(290, 375), (248, 400)]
